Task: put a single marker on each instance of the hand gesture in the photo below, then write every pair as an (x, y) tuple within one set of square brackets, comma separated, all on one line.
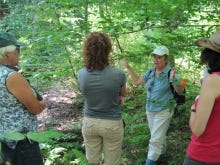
[(172, 73), (122, 99)]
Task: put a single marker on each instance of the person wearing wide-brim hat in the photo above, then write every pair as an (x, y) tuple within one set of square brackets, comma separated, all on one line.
[(212, 43), (204, 147), (18, 106)]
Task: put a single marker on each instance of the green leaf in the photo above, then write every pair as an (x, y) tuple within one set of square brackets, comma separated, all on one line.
[(13, 135), (46, 136)]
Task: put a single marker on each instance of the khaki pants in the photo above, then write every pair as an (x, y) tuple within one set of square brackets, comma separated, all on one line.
[(102, 135)]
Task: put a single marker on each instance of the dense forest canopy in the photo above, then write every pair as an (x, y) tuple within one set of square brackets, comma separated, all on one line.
[(54, 31)]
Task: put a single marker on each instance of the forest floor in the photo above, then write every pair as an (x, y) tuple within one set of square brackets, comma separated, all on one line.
[(60, 114), (64, 113)]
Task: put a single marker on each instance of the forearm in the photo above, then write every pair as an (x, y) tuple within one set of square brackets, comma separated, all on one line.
[(123, 91), (178, 89), (176, 81), (122, 94), (133, 75), (192, 119), (122, 99)]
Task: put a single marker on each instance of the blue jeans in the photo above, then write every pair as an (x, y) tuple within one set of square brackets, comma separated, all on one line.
[(25, 153), (189, 161)]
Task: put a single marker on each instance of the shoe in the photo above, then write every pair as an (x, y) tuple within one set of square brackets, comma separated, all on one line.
[(149, 162), (162, 159)]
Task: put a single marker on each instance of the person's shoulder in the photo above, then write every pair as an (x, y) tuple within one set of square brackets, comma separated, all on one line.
[(167, 69), (150, 70), (211, 80), (212, 76), (211, 84), (116, 72), (16, 80), (16, 76), (82, 70), (115, 69)]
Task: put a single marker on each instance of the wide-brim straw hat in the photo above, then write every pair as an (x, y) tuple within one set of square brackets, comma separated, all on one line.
[(212, 43)]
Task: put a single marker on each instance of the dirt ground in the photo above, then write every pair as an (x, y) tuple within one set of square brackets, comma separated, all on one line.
[(61, 114)]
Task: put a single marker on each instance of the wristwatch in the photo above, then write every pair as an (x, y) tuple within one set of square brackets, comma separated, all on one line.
[(193, 110)]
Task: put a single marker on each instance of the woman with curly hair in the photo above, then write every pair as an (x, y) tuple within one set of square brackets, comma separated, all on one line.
[(103, 87)]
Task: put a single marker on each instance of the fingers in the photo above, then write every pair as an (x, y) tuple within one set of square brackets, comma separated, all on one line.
[(122, 99)]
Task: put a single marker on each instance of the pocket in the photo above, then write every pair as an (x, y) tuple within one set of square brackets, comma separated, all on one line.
[(115, 128), (87, 127)]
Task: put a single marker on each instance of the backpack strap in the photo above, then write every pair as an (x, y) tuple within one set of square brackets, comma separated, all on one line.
[(171, 85), (149, 72), (180, 98)]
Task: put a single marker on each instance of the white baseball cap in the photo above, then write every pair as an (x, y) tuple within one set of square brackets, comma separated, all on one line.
[(161, 51)]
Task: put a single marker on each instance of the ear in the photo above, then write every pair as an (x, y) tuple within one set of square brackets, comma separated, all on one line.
[(6, 55)]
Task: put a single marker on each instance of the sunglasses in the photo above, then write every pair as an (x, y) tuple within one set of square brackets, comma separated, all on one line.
[(150, 85)]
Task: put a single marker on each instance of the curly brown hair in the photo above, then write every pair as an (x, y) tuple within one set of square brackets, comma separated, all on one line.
[(96, 49)]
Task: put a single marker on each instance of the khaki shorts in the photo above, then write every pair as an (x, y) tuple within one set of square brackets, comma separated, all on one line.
[(102, 135)]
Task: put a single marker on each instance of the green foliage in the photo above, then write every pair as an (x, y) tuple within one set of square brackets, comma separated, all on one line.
[(61, 156), (45, 136), (54, 31), (66, 149), (12, 135), (81, 159)]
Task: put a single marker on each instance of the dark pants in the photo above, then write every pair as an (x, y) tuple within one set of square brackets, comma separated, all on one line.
[(26, 153), (189, 161)]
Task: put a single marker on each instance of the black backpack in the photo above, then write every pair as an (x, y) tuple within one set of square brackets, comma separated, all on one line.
[(179, 98)]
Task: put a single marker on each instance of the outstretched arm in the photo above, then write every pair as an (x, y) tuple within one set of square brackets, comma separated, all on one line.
[(137, 80)]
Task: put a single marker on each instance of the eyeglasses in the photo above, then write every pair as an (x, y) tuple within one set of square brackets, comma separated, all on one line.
[(150, 86)]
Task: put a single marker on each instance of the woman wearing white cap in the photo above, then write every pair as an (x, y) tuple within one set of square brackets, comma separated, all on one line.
[(159, 99), (204, 147)]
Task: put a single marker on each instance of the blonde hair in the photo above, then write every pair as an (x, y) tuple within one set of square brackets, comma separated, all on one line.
[(6, 49)]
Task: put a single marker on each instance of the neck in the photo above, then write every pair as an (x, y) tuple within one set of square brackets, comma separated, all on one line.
[(11, 67), (158, 71)]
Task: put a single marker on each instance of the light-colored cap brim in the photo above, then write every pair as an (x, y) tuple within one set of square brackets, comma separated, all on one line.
[(158, 54)]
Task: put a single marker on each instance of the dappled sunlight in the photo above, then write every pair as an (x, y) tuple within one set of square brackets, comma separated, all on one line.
[(60, 113)]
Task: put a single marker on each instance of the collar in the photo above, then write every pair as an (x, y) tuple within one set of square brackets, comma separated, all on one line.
[(165, 70), (15, 68)]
